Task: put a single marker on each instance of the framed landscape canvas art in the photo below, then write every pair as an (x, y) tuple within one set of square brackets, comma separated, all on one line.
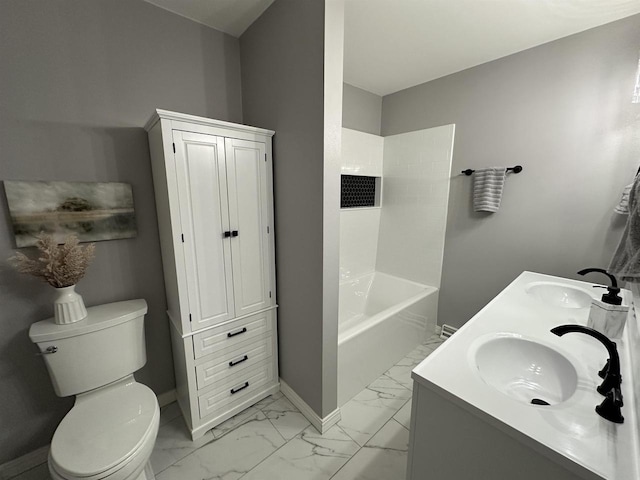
[(92, 211)]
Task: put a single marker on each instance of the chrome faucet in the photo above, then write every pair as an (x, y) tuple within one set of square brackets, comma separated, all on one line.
[(610, 387)]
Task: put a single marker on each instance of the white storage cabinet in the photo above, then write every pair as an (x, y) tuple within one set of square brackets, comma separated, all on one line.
[(214, 198)]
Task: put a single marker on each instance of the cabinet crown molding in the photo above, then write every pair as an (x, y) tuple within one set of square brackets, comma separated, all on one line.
[(209, 122)]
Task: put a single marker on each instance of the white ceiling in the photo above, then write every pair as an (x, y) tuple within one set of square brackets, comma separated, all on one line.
[(229, 16), (391, 45)]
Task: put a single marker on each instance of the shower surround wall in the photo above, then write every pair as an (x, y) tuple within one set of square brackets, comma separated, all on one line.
[(359, 227), (391, 256), (405, 236), (417, 169)]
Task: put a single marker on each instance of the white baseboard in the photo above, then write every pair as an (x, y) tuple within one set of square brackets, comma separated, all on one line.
[(320, 424), (15, 467), (166, 398)]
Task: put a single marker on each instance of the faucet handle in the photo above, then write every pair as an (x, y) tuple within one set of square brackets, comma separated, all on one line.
[(603, 373), (609, 409), (612, 378), (616, 395), (611, 381)]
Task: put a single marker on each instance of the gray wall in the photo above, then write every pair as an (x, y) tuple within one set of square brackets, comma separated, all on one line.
[(78, 81), (361, 110), (282, 57), (563, 111)]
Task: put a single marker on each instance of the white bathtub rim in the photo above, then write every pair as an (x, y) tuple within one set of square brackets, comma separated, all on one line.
[(379, 317), (373, 273)]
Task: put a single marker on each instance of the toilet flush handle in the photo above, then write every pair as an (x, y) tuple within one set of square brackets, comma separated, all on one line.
[(49, 350)]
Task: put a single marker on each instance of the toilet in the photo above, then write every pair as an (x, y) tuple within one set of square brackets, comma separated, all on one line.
[(111, 429)]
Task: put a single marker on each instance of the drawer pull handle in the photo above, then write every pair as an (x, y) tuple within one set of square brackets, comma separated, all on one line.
[(229, 335), (243, 359), (236, 390)]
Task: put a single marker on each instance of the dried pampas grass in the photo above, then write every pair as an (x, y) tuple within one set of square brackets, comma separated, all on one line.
[(58, 265)]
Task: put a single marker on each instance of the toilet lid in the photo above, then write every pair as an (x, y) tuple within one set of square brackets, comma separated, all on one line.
[(103, 430)]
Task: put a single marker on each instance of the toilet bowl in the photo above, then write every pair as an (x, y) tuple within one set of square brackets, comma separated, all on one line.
[(109, 433), (111, 430)]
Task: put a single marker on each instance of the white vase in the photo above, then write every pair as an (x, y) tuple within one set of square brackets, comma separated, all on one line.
[(68, 306)]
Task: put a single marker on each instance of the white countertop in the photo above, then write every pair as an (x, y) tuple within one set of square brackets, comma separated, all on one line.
[(570, 433)]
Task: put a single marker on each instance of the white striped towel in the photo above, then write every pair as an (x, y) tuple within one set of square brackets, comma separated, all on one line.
[(623, 207), (488, 184), (625, 263)]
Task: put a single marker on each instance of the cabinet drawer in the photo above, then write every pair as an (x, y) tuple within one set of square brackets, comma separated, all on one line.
[(235, 362), (231, 334), (235, 389)]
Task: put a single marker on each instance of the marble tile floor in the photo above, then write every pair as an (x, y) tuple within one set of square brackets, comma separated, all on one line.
[(273, 440)]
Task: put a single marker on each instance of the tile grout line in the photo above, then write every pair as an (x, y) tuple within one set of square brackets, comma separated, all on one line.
[(398, 383), (407, 429), (276, 429), (347, 434), (286, 442), (350, 458), (238, 426), (188, 454), (365, 445), (214, 440), (266, 417), (383, 425), (266, 458), (155, 473), (247, 420)]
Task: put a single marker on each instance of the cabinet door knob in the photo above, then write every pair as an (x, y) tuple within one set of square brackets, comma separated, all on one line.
[(227, 234), (234, 233)]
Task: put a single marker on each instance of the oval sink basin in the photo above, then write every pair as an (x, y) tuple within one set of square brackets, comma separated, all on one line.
[(526, 370), (558, 295)]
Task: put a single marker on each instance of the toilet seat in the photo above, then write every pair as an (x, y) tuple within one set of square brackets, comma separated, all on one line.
[(105, 431)]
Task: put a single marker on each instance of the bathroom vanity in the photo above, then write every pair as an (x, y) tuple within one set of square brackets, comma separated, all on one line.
[(472, 413)]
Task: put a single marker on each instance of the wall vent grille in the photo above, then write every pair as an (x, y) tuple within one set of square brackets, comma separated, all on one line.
[(447, 330)]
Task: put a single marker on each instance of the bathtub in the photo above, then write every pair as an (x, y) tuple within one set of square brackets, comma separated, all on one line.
[(381, 319)]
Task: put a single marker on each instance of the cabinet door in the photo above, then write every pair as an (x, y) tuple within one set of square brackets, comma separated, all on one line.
[(204, 212), (248, 197)]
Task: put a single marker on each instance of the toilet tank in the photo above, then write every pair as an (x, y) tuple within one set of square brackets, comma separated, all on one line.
[(104, 347)]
